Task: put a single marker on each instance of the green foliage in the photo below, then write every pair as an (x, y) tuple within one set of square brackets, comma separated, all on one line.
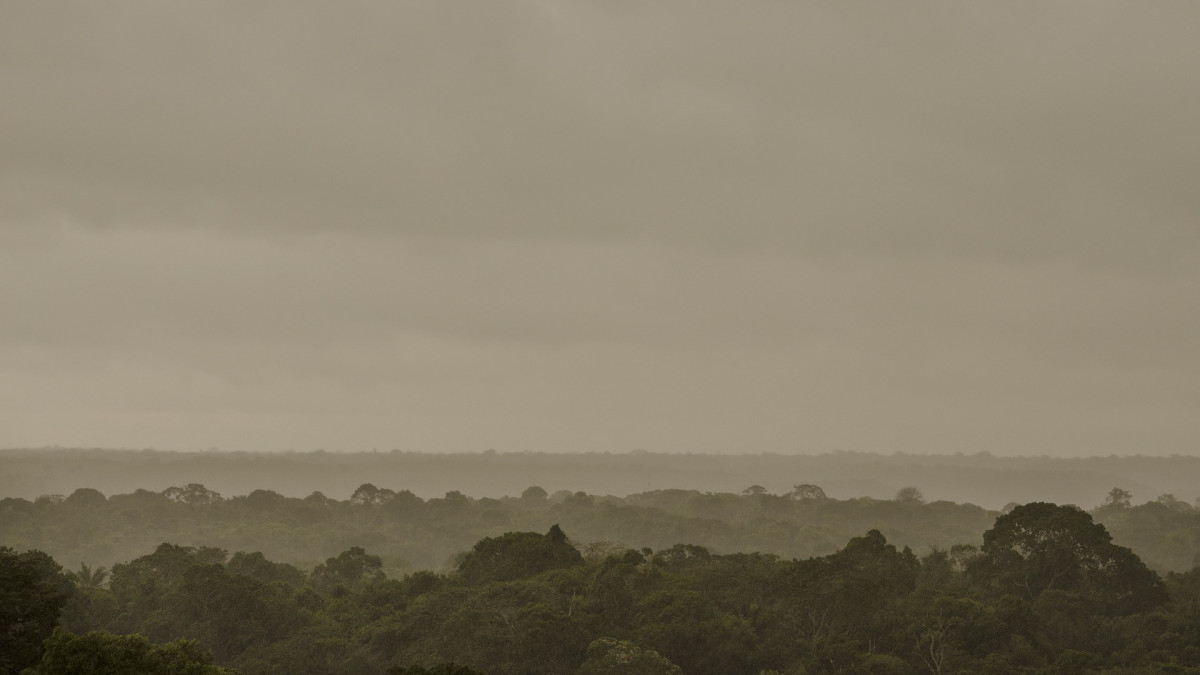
[(147, 587), (256, 566), (194, 494), (368, 494), (1118, 498), (409, 533), (33, 591), (804, 491), (86, 498), (105, 654), (441, 669), (1047, 592), (516, 627), (609, 655), (1165, 536), (1039, 547), (87, 577), (690, 629), (185, 592), (517, 555), (350, 569)]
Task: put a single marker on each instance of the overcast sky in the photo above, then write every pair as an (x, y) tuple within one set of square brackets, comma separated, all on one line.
[(571, 226)]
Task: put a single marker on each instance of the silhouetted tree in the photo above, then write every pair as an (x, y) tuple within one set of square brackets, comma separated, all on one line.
[(910, 495), (1118, 498), (87, 577), (807, 491), (534, 493)]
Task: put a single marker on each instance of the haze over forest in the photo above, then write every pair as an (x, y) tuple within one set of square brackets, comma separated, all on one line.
[(984, 480), (579, 338), (572, 227)]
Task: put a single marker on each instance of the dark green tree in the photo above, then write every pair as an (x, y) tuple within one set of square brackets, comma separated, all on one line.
[(910, 495), (192, 493), (807, 491), (33, 591), (534, 494), (87, 498), (1118, 498), (350, 569), (256, 566), (143, 587), (523, 626), (367, 494), (89, 577), (610, 655), (107, 654), (1040, 546), (440, 669), (516, 555), (690, 630)]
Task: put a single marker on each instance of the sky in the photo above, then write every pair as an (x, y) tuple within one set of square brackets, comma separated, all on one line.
[(928, 227)]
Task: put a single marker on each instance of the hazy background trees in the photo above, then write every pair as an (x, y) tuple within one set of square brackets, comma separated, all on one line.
[(983, 479)]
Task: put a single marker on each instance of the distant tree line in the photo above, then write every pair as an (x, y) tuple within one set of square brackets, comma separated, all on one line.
[(410, 533), (980, 478)]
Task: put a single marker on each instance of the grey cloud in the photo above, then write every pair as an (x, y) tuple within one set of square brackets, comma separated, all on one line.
[(600, 225), (111, 287), (332, 308), (1021, 131)]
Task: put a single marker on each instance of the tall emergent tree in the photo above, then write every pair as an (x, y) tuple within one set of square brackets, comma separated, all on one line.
[(1040, 546)]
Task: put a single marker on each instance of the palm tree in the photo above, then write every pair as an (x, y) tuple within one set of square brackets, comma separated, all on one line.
[(87, 577)]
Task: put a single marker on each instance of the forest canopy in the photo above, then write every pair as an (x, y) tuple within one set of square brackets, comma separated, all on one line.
[(410, 533), (1048, 591)]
